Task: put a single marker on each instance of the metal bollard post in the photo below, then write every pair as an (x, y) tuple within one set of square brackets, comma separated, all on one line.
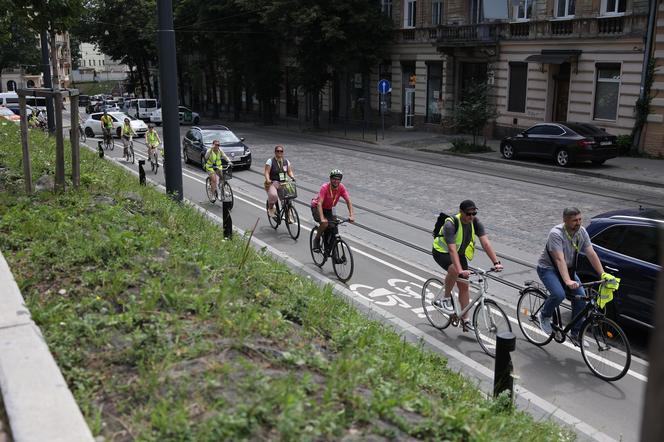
[(100, 149), (502, 376), (228, 221)]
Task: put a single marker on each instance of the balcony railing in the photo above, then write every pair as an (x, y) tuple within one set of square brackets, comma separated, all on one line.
[(483, 33)]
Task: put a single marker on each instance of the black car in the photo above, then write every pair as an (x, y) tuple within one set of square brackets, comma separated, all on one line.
[(83, 100), (626, 242), (199, 139), (565, 143)]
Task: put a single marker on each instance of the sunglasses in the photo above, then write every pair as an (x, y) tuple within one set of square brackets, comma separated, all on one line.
[(471, 213), (279, 151)]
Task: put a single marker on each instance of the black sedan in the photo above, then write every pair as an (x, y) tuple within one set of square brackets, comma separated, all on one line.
[(199, 139), (565, 143)]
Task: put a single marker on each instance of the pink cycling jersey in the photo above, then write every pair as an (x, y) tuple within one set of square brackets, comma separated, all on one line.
[(330, 196)]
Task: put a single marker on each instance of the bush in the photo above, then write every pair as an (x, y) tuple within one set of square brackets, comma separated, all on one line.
[(624, 143), (460, 145)]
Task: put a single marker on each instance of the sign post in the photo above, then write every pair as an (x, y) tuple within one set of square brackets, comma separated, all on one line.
[(383, 89)]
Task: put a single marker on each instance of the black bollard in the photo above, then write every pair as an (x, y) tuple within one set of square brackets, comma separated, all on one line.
[(228, 221), (502, 376), (100, 149)]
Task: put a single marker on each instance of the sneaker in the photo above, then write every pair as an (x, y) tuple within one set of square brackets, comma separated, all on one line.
[(545, 324), (574, 339), (447, 303), (438, 303), (467, 326), (317, 245), (272, 211)]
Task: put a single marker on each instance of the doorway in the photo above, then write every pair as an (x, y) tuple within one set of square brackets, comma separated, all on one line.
[(561, 92)]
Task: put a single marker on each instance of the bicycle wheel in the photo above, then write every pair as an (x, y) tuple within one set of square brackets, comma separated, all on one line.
[(156, 162), (318, 257), (342, 260), (81, 134), (227, 193), (529, 304), (608, 354), (131, 153), (434, 289), (292, 221), (489, 320), (273, 220), (211, 194)]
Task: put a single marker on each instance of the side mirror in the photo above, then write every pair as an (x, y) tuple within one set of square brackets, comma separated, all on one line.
[(241, 138)]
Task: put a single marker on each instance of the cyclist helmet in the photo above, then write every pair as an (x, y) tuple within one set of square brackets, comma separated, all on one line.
[(151, 126), (336, 173)]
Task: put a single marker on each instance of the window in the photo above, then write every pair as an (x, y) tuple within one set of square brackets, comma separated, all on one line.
[(410, 15), (545, 129), (516, 101), (437, 12), (614, 6), (606, 91), (565, 8), (639, 242), (476, 11), (523, 9), (434, 92), (386, 7), (11, 85)]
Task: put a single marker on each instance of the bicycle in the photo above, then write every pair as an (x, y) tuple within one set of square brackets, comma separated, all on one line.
[(153, 157), (108, 140), (612, 354), (332, 246), (488, 318), (287, 193), (223, 188), (129, 151)]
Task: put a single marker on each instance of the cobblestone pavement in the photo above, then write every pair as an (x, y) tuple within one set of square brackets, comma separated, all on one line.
[(516, 213)]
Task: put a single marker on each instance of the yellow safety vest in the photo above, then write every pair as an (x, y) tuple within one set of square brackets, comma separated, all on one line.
[(213, 160), (152, 138), (126, 129), (107, 121), (440, 244)]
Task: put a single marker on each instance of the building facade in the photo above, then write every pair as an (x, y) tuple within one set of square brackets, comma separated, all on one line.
[(95, 65), (652, 139), (546, 60)]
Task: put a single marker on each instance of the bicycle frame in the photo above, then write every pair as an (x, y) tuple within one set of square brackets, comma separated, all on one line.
[(590, 305), (481, 285)]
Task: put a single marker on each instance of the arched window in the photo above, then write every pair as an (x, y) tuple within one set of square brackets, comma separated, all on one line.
[(31, 83), (11, 85)]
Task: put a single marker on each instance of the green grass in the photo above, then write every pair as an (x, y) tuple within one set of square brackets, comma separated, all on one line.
[(161, 337)]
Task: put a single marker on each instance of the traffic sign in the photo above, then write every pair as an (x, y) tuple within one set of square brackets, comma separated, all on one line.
[(383, 86)]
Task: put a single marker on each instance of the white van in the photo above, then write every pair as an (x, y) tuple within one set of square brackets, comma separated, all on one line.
[(12, 98), (8, 98), (141, 107)]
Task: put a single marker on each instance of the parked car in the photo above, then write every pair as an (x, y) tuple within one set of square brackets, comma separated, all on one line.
[(627, 245), (187, 116), (565, 143), (8, 115), (92, 125), (17, 109), (198, 140), (83, 100)]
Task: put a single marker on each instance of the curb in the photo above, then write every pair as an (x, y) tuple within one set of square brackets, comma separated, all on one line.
[(38, 402)]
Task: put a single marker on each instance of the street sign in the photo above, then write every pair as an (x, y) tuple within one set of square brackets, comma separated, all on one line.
[(383, 86)]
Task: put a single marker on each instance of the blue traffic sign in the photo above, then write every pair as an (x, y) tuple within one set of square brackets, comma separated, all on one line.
[(383, 86)]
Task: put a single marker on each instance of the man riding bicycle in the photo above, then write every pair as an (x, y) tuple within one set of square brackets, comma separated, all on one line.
[(556, 268), (453, 247), (106, 125), (214, 160), (127, 134), (275, 172), (152, 141), (327, 198)]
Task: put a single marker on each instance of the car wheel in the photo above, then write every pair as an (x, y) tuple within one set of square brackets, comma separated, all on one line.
[(196, 120), (185, 156), (89, 132), (203, 161), (507, 151), (562, 158)]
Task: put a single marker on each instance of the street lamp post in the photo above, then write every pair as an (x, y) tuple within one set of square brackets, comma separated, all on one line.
[(169, 103)]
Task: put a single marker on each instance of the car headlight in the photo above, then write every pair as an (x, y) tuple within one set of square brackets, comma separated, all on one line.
[(246, 150)]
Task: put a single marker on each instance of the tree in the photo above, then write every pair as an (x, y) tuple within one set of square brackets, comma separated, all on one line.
[(19, 48), (474, 110)]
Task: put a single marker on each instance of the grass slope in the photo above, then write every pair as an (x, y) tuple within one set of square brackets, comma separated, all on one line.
[(161, 336)]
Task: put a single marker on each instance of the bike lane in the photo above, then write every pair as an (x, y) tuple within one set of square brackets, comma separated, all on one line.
[(552, 381)]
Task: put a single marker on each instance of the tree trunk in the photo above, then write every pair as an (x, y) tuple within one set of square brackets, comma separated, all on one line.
[(237, 97), (215, 97), (146, 69), (315, 109), (54, 62)]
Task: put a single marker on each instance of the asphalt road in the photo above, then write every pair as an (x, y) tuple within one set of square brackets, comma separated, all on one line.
[(397, 194)]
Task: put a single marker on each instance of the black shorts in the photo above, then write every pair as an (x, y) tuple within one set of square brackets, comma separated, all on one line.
[(327, 213), (445, 260)]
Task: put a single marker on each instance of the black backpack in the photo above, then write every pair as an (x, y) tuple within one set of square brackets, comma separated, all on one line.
[(440, 221)]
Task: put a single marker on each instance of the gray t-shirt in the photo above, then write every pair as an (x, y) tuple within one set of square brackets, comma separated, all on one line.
[(449, 232), (560, 241)]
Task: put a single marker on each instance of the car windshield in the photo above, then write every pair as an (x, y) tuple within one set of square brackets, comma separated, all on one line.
[(224, 136)]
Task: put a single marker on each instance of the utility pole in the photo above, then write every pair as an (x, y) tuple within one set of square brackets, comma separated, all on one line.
[(169, 99), (46, 71)]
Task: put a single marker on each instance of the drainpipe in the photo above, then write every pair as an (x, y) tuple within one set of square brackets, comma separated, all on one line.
[(652, 17)]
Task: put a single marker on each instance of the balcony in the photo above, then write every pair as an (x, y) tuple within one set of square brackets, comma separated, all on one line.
[(449, 36)]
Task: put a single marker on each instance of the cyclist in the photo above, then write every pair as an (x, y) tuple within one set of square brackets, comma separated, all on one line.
[(453, 247), (127, 133), (556, 268), (276, 170), (106, 125), (152, 141), (327, 198), (214, 160)]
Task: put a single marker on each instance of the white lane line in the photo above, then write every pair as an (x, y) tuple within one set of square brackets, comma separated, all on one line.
[(570, 346)]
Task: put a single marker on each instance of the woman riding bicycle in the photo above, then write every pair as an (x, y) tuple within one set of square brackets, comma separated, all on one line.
[(214, 163), (152, 141), (276, 171), (127, 134), (327, 198)]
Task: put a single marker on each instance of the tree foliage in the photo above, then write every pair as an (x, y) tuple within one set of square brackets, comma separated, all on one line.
[(474, 110)]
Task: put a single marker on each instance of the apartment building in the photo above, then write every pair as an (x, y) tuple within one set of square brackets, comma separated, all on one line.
[(652, 139), (547, 60), (95, 65)]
